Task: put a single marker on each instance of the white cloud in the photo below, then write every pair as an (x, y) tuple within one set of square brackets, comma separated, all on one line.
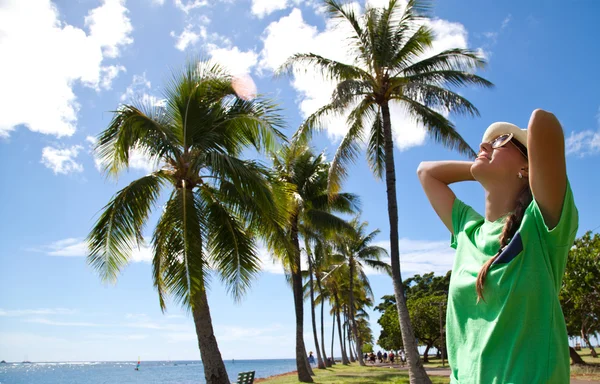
[(234, 60), (262, 8), (291, 34), (187, 6), (138, 90), (57, 56), (109, 26), (62, 160), (420, 256), (158, 2), (584, 143), (41, 311), (188, 36), (77, 247), (109, 73)]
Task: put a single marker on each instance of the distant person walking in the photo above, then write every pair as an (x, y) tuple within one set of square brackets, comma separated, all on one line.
[(311, 358), (509, 262)]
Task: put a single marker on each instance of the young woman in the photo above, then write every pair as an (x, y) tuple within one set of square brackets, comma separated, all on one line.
[(504, 322)]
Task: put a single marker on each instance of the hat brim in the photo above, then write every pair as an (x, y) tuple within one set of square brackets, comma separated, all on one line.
[(501, 128)]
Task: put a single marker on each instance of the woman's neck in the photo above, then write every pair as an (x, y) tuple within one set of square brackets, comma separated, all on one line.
[(499, 202)]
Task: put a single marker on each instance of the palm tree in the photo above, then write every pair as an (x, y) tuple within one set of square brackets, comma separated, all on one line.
[(332, 283), (310, 208), (357, 252), (218, 203), (388, 45)]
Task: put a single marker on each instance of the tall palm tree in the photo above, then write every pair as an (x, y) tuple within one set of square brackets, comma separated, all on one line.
[(332, 282), (218, 203), (358, 252), (388, 45), (311, 207)]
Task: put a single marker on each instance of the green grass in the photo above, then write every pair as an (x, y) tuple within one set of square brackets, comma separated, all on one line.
[(355, 374), (590, 372), (372, 375)]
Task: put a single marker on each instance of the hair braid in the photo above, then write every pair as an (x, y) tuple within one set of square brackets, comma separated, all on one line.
[(510, 228)]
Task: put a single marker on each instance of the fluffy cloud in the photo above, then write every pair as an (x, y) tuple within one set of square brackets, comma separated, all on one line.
[(584, 143), (291, 34), (57, 56), (261, 8), (41, 311), (76, 247), (420, 256), (62, 160), (188, 36), (234, 60), (187, 6)]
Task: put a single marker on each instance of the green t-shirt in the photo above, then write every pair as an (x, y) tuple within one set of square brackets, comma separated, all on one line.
[(518, 335)]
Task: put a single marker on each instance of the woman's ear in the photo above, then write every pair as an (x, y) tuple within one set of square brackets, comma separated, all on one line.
[(525, 171)]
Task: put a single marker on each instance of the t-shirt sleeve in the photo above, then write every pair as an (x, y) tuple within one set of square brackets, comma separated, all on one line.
[(563, 234), (462, 215)]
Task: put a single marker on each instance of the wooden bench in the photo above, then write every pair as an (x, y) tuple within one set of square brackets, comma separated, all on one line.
[(245, 377)]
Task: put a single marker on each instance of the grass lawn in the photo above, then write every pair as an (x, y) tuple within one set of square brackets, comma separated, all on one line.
[(354, 374), (590, 372), (372, 375)]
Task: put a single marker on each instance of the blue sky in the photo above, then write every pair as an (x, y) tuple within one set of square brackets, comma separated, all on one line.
[(66, 64)]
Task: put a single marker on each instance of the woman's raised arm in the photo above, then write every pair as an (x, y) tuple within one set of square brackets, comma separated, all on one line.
[(435, 176)]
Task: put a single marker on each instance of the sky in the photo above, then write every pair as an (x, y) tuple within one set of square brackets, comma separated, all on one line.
[(65, 65)]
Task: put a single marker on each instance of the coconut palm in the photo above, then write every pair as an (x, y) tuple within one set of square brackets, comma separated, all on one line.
[(218, 203), (388, 45), (311, 207), (358, 252)]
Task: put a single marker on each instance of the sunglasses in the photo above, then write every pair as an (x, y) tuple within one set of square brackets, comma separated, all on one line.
[(502, 140)]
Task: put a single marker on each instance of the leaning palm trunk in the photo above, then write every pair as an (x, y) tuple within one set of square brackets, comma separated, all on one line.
[(416, 371), (327, 362), (332, 338), (340, 331), (214, 368), (352, 321), (320, 362), (304, 372)]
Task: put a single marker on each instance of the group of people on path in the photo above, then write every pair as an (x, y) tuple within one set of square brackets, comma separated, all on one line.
[(385, 357)]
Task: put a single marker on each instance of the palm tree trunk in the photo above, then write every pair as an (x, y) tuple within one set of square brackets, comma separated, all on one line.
[(320, 362), (332, 337), (328, 363), (585, 337), (575, 357), (301, 360), (347, 335), (214, 368), (416, 371), (352, 321), (340, 331)]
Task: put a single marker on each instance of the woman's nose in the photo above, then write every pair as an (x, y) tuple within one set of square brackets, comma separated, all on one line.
[(485, 147)]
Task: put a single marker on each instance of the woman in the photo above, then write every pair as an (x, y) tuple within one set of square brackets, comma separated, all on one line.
[(504, 322)]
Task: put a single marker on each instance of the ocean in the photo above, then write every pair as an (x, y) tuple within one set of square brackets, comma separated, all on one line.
[(151, 372)]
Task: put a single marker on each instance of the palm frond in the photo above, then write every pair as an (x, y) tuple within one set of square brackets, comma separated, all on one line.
[(119, 228), (132, 129), (456, 59), (376, 146), (350, 146), (440, 98), (438, 127), (231, 247)]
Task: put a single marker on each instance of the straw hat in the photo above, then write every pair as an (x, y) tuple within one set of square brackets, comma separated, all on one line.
[(500, 128)]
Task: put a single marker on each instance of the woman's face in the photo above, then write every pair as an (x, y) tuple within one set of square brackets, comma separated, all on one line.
[(501, 164)]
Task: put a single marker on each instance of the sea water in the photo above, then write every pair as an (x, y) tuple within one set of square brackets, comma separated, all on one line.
[(151, 372)]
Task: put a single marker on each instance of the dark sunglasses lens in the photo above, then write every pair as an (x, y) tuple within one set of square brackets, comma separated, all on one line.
[(500, 141)]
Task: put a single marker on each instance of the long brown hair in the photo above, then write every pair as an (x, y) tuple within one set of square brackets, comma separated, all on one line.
[(513, 222)]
